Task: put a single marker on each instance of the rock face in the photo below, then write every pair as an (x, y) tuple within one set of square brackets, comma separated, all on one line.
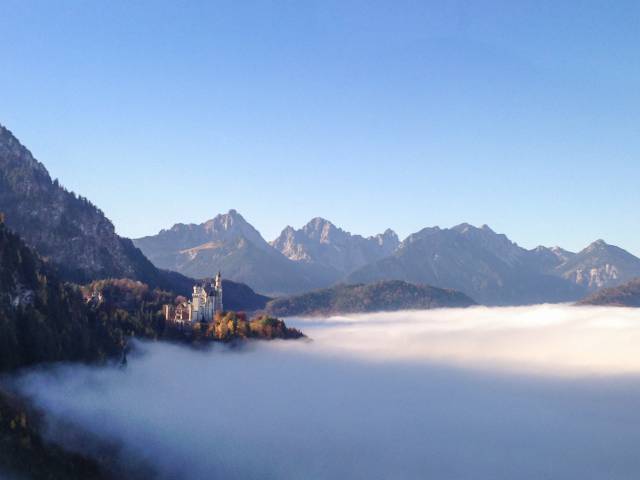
[(626, 295), (64, 228), (600, 265), (385, 296), (321, 242), (230, 244)]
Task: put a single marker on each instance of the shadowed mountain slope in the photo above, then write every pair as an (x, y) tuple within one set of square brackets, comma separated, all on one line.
[(67, 230)]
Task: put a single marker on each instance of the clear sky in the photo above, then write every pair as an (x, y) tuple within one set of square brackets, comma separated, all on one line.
[(524, 115)]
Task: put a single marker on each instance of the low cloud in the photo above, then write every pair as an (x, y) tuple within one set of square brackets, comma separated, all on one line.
[(548, 339), (481, 393)]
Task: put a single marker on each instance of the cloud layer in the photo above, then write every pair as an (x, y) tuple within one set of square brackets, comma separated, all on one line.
[(528, 393), (549, 339)]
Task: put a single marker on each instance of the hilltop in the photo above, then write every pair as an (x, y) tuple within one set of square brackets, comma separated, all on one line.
[(386, 296), (626, 295)]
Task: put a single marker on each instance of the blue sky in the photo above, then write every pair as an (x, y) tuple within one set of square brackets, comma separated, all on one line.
[(404, 114)]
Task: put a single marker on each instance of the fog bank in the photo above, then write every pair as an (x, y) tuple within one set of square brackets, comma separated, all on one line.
[(527, 393), (547, 339)]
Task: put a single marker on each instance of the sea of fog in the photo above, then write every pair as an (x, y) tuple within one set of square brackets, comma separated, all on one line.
[(543, 392)]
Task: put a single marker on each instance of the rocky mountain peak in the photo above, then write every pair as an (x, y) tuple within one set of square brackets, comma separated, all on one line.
[(223, 228), (180, 227), (562, 254), (322, 230), (597, 245), (467, 227), (288, 231), (12, 149), (387, 240), (464, 227), (600, 265), (226, 222), (321, 242)]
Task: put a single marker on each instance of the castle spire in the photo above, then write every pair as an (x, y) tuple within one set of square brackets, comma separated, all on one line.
[(218, 293)]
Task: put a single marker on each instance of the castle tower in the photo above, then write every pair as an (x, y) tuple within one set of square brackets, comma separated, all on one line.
[(218, 294)]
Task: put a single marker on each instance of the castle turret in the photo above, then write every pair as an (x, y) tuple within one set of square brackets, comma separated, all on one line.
[(218, 294)]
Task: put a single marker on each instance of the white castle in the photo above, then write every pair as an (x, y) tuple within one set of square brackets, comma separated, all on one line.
[(205, 302)]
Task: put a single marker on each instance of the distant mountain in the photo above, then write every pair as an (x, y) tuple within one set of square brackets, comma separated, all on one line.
[(477, 261), (321, 242), (67, 230), (626, 295), (230, 244), (483, 264), (382, 296), (546, 260), (600, 265), (164, 249), (241, 297)]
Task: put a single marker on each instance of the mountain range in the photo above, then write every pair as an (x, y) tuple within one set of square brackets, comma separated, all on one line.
[(313, 257), (477, 261), (496, 271), (76, 238), (228, 243)]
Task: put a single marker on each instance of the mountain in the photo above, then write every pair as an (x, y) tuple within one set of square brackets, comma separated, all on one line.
[(626, 295), (382, 296), (483, 264), (321, 242), (66, 229), (228, 243), (241, 297), (477, 261), (164, 249), (545, 259), (600, 265)]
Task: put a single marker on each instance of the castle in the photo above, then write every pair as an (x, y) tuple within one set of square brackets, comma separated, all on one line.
[(205, 303)]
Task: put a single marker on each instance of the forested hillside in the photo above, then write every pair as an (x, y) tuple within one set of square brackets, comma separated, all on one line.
[(41, 318), (627, 295), (387, 296)]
